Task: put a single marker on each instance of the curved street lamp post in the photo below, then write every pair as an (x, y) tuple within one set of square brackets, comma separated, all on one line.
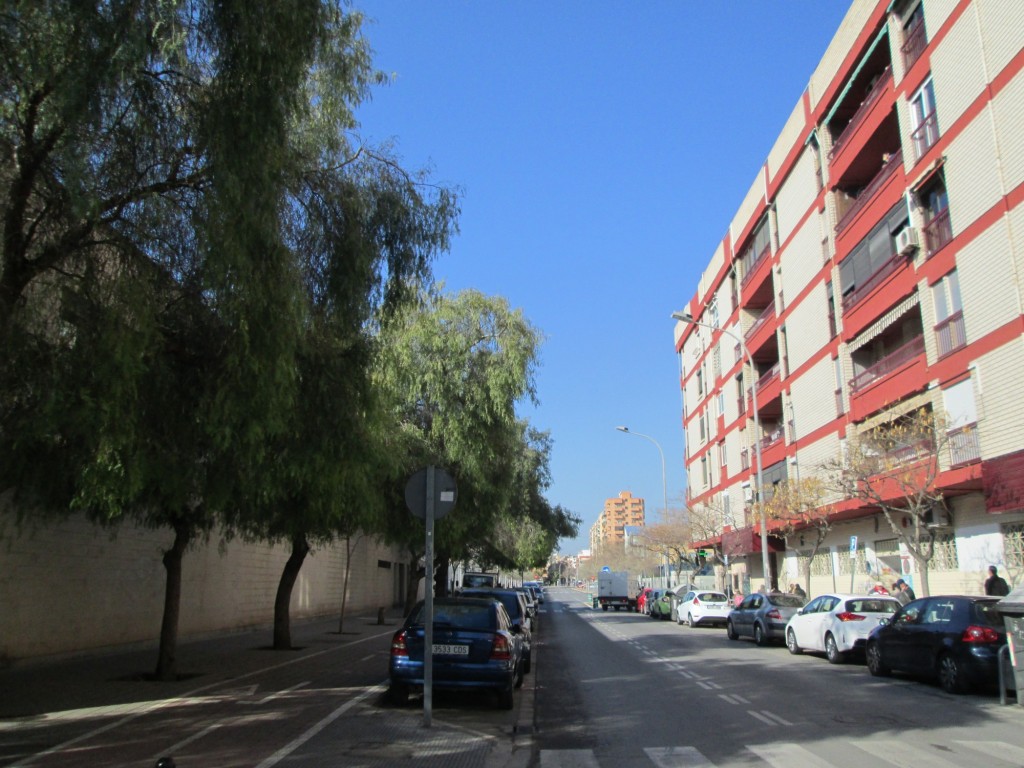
[(664, 486), (686, 317)]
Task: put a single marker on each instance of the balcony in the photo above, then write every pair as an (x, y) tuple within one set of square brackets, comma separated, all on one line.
[(964, 446), (937, 232), (764, 317), (888, 364), (950, 335), (926, 134), (751, 269), (913, 45), (872, 98), (891, 163), (893, 265)]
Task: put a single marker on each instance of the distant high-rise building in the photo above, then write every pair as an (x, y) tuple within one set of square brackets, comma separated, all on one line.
[(619, 512)]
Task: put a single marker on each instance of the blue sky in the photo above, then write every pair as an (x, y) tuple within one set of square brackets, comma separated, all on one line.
[(602, 149)]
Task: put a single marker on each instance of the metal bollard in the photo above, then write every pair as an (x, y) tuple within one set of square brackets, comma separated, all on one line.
[(1004, 659)]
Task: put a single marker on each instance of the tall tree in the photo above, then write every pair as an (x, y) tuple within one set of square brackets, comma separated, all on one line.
[(801, 508)]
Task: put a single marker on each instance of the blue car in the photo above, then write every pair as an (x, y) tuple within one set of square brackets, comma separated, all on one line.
[(476, 647), (515, 605)]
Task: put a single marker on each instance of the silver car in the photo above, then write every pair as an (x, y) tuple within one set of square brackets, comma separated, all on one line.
[(763, 616)]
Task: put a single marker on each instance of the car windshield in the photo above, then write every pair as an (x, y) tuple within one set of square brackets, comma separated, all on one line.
[(786, 601), (711, 597), (474, 615), (872, 606)]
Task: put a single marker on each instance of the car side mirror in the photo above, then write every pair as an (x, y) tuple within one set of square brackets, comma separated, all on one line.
[(883, 622)]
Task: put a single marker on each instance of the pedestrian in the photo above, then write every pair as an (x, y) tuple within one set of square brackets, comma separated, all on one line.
[(878, 589), (903, 592), (737, 598), (996, 584), (797, 590)]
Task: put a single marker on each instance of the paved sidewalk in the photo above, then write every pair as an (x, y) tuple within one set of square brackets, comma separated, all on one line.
[(114, 680)]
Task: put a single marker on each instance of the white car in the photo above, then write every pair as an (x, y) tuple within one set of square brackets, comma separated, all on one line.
[(703, 606), (837, 624)]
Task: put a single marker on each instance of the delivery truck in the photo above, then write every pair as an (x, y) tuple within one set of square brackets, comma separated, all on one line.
[(616, 590)]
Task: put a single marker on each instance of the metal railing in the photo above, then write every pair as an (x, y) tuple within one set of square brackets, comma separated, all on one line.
[(925, 135), (913, 45), (964, 445), (950, 335), (892, 265), (748, 271), (888, 169), (865, 106), (888, 364), (937, 232), (763, 318)]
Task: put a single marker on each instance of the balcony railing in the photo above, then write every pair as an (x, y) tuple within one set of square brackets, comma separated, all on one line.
[(926, 134), (772, 438), (937, 232), (950, 335), (852, 298), (888, 169), (964, 446), (888, 364), (749, 271), (763, 318), (913, 45), (865, 106), (745, 459), (768, 377)]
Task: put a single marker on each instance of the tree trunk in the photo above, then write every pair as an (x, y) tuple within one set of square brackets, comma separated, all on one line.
[(344, 583), (282, 603), (167, 662)]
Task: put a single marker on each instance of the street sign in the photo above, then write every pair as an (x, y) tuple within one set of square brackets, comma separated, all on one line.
[(853, 547), (445, 493), (605, 569)]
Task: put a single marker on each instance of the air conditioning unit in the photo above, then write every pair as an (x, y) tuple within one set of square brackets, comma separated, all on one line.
[(907, 241), (938, 518)]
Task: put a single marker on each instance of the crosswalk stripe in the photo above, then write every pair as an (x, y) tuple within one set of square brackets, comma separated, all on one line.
[(568, 758), (677, 757), (997, 749), (787, 756), (900, 753)]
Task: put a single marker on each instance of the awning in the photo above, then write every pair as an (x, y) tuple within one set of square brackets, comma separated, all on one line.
[(885, 321), (856, 71), (747, 541), (928, 174)]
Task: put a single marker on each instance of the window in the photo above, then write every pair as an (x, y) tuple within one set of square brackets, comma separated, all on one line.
[(945, 557), (723, 461), (716, 361), (740, 394), (950, 334), (874, 258), (700, 382), (758, 249), (704, 470), (721, 403), (830, 298), (923, 119), (838, 370), (1013, 544), (934, 202), (915, 40), (713, 312)]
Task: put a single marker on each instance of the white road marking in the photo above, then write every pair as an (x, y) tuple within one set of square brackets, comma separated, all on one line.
[(900, 753), (998, 749), (788, 756), (677, 757)]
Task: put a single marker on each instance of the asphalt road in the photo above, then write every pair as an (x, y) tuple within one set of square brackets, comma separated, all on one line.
[(620, 689)]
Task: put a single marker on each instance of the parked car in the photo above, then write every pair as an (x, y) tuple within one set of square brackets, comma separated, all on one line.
[(837, 624), (661, 606), (476, 647), (514, 602), (641, 600), (954, 638), (537, 588), (531, 603), (702, 606), (652, 600), (762, 616)]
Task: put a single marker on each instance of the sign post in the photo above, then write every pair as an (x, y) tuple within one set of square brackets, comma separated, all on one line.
[(430, 495), (853, 560)]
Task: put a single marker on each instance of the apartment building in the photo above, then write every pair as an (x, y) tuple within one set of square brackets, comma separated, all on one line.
[(619, 512), (873, 268)]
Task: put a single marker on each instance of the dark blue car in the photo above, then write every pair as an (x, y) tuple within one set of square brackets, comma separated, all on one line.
[(953, 638), (515, 605), (476, 647)]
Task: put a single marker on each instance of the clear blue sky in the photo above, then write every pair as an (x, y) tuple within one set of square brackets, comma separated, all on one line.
[(602, 149)]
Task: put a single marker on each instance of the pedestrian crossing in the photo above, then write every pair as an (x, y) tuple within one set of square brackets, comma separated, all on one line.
[(834, 753)]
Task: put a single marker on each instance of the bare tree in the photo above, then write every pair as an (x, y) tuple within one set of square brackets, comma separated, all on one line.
[(801, 508), (894, 467)]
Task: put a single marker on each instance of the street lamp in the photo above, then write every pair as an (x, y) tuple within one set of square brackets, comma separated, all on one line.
[(664, 486), (686, 317)]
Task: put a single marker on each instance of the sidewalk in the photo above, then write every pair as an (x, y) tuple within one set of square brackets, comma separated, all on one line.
[(115, 681)]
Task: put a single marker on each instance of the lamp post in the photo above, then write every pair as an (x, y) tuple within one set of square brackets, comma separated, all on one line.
[(686, 317), (664, 486)]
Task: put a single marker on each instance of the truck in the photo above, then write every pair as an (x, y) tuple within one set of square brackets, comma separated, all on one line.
[(476, 580), (616, 590)]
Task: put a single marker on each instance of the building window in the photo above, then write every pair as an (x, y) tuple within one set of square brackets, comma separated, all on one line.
[(702, 419), (716, 362), (757, 251), (721, 403), (945, 557), (722, 457), (741, 397), (700, 382), (949, 317), (1013, 544), (924, 122), (838, 369), (938, 230), (915, 40), (704, 470), (830, 298), (874, 258), (713, 312)]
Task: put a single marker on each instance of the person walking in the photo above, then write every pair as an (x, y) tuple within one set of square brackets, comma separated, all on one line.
[(903, 592), (996, 584)]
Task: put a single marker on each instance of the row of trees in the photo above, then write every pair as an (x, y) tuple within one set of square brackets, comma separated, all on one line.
[(217, 311)]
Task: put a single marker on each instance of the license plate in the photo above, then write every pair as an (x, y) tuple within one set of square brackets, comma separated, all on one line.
[(451, 650)]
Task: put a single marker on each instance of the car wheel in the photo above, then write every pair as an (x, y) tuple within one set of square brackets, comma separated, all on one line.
[(398, 694), (791, 643), (873, 657), (832, 652), (951, 675), (689, 620), (759, 635), (505, 698), (730, 631)]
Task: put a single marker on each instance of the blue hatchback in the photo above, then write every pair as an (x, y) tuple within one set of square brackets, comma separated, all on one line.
[(476, 647)]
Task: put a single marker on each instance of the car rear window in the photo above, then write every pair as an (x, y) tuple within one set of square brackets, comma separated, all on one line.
[(711, 597), (460, 615), (786, 601), (987, 613), (509, 599), (872, 606)]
